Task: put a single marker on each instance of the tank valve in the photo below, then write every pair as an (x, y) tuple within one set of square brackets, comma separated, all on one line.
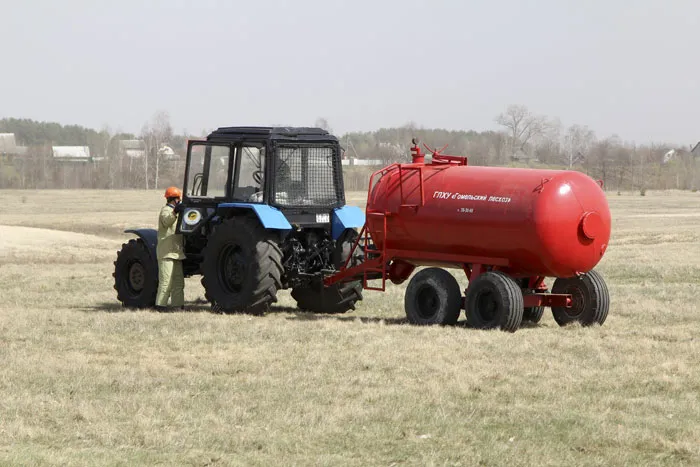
[(417, 156)]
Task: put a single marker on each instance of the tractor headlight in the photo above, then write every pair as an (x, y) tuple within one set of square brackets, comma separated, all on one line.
[(323, 218), (190, 219)]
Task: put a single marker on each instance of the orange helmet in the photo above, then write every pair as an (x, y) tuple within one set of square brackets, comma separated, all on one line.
[(173, 192)]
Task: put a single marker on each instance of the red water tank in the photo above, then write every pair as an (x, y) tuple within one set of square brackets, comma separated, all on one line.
[(550, 223)]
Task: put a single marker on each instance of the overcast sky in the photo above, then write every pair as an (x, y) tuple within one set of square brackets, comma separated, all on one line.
[(619, 66)]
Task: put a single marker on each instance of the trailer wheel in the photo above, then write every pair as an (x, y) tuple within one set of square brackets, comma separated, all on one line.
[(590, 299), (135, 275), (494, 300), (337, 298), (433, 297), (533, 314), (242, 267)]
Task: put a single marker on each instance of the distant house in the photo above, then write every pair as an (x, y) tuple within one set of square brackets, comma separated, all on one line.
[(669, 156), (8, 145), (166, 153), (681, 153), (9, 148), (70, 153), (132, 148), (353, 161)]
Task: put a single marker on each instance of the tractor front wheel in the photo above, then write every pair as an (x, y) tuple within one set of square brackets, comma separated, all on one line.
[(242, 267), (135, 275)]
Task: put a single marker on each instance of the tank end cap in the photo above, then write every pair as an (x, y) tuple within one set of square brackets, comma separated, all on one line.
[(591, 225)]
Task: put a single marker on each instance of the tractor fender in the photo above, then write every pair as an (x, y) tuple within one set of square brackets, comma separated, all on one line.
[(347, 217), (149, 237), (269, 217)]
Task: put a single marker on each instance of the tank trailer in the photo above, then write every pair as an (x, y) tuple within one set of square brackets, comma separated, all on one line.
[(507, 228)]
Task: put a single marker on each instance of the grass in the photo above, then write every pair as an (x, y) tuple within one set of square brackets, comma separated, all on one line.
[(85, 382)]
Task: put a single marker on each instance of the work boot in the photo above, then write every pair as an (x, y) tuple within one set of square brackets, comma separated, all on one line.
[(160, 309)]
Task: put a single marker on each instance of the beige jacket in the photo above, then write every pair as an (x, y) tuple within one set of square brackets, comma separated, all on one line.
[(169, 243)]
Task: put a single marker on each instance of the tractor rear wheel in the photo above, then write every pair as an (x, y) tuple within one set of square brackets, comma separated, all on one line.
[(337, 298), (494, 300), (242, 267), (590, 300), (135, 275), (433, 297)]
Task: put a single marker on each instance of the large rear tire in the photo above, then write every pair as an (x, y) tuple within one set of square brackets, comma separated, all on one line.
[(433, 297), (338, 298), (494, 300), (242, 267), (136, 275), (590, 300)]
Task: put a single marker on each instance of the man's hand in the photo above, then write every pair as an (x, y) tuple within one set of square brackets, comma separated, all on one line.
[(179, 207)]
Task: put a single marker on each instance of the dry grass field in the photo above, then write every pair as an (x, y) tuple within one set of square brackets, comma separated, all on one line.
[(86, 382)]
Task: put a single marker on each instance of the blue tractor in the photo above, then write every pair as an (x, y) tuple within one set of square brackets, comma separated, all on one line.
[(264, 210)]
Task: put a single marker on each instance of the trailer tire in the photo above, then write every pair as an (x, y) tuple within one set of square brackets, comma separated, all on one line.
[(135, 275), (494, 300), (242, 267), (338, 298), (533, 314), (433, 297), (590, 299)]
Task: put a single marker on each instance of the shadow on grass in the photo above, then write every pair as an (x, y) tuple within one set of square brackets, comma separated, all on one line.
[(308, 316), (303, 316), (116, 307), (200, 306), (298, 315)]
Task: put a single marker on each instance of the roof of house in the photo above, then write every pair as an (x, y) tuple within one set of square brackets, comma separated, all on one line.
[(135, 153), (132, 144), (71, 153)]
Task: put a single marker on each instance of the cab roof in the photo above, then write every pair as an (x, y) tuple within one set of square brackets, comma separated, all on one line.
[(277, 133)]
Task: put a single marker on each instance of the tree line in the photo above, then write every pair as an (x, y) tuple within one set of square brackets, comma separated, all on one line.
[(525, 139), (521, 139)]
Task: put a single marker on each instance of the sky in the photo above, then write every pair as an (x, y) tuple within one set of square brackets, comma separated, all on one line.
[(621, 67)]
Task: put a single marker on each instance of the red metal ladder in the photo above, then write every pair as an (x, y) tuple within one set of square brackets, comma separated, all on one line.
[(378, 256)]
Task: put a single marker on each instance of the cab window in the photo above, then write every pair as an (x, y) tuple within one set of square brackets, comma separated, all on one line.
[(208, 171), (251, 173)]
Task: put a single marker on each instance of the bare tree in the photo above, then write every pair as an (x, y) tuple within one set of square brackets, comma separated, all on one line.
[(602, 158), (522, 126), (155, 134), (548, 145), (578, 142)]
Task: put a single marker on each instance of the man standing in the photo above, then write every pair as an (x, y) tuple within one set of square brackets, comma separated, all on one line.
[(170, 253)]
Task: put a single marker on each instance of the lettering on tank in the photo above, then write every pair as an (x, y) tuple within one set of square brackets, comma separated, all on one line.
[(470, 197), (448, 195)]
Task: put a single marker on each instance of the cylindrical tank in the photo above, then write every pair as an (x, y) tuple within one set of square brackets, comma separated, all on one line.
[(543, 222)]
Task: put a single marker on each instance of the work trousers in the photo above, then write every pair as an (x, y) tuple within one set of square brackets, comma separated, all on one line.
[(171, 283)]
